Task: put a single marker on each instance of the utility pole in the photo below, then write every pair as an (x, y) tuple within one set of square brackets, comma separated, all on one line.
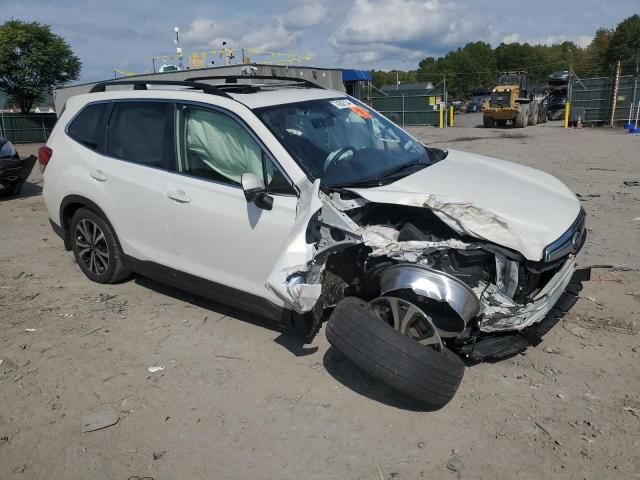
[(614, 100), (444, 82)]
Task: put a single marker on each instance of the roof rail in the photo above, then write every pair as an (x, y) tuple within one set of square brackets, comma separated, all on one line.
[(234, 79), (142, 85)]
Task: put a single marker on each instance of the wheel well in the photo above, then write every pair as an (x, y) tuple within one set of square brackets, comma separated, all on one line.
[(70, 205)]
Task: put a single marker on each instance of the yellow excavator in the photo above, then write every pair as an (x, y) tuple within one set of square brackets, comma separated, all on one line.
[(510, 102)]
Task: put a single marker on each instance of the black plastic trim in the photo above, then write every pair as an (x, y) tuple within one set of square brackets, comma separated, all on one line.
[(230, 80), (142, 85), (209, 289)]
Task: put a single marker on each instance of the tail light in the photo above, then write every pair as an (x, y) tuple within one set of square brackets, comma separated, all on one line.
[(44, 155)]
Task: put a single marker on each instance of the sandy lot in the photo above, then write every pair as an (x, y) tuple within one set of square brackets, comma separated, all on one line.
[(240, 399)]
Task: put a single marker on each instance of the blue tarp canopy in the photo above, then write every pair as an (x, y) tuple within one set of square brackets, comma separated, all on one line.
[(355, 75)]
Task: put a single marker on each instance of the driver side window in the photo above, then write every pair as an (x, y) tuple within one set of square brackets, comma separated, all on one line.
[(215, 146)]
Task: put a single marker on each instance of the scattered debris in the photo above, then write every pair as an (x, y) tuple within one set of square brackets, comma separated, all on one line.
[(155, 369), (30, 329), (575, 330), (455, 464), (602, 169), (18, 276), (100, 420), (633, 411), (631, 183), (546, 430), (112, 303), (126, 447), (20, 469), (560, 396), (158, 455), (617, 268)]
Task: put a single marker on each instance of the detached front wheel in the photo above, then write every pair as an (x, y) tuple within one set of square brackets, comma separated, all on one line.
[(393, 342)]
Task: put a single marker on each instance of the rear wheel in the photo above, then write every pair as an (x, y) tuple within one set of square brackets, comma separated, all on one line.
[(409, 358), (533, 119), (96, 247)]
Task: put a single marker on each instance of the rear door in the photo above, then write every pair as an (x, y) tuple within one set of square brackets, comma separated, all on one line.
[(218, 236), (132, 171)]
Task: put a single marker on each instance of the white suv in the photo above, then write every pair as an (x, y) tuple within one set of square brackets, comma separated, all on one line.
[(295, 203)]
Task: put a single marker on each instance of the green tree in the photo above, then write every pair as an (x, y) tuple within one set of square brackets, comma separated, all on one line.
[(33, 61), (624, 44)]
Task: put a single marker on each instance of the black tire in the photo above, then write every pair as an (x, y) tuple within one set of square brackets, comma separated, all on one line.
[(429, 377), (11, 191), (533, 118), (522, 118), (115, 270), (488, 122)]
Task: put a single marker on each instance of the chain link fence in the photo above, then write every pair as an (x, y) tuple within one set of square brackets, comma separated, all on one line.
[(600, 101), (27, 128)]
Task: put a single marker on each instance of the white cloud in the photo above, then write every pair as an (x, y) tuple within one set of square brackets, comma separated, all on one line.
[(579, 40), (203, 32), (305, 16), (401, 21), (511, 38), (271, 36), (380, 56), (268, 36)]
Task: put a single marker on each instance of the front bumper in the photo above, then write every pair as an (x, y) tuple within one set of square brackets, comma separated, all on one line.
[(14, 171), (498, 345), (501, 314)]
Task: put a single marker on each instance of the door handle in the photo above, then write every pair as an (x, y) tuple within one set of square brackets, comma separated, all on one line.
[(98, 175), (179, 196)]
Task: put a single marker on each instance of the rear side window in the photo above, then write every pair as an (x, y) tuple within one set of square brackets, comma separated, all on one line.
[(86, 127), (141, 132)]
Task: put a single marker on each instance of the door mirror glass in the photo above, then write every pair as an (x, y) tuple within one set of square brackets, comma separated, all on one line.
[(255, 191)]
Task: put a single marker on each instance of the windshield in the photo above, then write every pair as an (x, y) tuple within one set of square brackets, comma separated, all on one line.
[(343, 142)]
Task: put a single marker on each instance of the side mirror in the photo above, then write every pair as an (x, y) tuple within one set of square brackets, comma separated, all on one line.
[(255, 191)]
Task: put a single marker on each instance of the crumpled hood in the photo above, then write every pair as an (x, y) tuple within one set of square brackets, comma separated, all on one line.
[(505, 203)]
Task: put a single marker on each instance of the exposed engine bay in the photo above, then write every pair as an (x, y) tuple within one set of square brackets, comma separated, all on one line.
[(463, 285)]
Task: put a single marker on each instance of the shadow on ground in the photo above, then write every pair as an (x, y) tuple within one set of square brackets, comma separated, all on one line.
[(289, 338), (28, 190)]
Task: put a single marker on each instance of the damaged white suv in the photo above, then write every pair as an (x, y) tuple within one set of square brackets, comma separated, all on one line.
[(299, 203)]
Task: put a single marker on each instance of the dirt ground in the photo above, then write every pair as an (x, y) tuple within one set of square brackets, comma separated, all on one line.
[(240, 399)]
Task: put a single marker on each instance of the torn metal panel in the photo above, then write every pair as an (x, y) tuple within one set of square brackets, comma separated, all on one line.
[(500, 313), (285, 279)]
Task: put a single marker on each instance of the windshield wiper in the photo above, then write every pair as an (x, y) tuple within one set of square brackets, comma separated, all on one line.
[(400, 168), (380, 178)]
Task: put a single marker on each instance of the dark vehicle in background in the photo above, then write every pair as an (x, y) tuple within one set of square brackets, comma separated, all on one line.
[(13, 170), (560, 78), (474, 107), (555, 106)]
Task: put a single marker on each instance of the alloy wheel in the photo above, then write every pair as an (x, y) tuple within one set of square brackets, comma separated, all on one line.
[(93, 249), (408, 319)]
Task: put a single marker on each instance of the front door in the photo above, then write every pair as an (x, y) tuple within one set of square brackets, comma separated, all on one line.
[(217, 234)]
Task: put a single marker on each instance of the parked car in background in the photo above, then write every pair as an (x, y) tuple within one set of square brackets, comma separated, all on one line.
[(555, 106), (300, 204), (474, 107), (14, 171)]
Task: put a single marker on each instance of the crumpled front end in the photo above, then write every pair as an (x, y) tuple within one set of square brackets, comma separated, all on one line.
[(344, 245)]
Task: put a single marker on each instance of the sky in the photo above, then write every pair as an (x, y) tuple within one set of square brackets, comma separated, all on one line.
[(367, 34)]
